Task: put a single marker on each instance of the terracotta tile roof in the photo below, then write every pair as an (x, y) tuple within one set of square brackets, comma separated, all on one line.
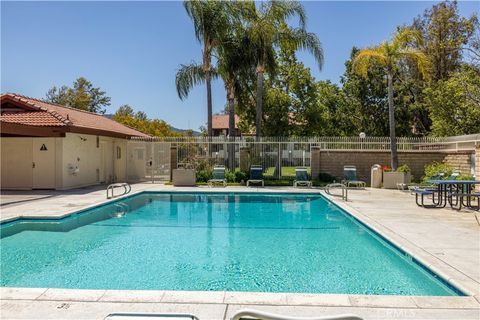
[(71, 117), (221, 121), (35, 118)]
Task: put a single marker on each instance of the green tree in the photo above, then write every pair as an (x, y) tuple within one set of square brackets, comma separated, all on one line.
[(388, 54), (83, 95), (454, 104), (138, 120), (446, 35), (209, 20), (234, 60), (267, 28)]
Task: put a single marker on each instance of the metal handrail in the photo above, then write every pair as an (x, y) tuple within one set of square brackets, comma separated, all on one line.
[(337, 185), (262, 315), (126, 186)]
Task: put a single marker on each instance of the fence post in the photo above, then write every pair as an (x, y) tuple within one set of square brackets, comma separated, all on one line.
[(173, 160), (243, 159), (315, 162), (152, 165)]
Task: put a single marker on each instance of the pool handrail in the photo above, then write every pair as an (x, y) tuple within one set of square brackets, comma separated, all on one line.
[(125, 185), (337, 185)]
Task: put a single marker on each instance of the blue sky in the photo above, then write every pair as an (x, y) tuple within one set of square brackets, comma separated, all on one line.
[(133, 49)]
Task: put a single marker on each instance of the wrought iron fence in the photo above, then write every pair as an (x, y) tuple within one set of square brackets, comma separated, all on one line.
[(278, 155)]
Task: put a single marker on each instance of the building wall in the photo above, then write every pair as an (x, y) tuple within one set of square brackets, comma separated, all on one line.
[(81, 160), (120, 160), (96, 162), (16, 163), (333, 162), (460, 161), (78, 161)]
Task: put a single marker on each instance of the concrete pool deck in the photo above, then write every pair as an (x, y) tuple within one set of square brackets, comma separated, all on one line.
[(447, 241)]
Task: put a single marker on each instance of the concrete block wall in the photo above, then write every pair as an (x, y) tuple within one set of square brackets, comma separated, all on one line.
[(460, 161), (477, 165), (332, 162)]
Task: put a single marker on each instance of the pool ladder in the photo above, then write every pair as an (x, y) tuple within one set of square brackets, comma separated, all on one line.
[(126, 187), (337, 185), (122, 209)]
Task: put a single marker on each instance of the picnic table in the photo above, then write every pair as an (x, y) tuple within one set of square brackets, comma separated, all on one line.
[(456, 193)]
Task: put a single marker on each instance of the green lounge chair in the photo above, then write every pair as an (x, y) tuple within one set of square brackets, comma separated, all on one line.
[(256, 175), (350, 177), (218, 176), (301, 178)]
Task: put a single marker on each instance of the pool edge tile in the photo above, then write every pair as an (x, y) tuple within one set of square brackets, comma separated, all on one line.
[(429, 302), (307, 299), (268, 298), (171, 296), (382, 301), (72, 295), (132, 296), (14, 293)]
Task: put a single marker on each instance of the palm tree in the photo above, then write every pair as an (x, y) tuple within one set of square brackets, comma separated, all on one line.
[(234, 61), (267, 27), (209, 19), (389, 54)]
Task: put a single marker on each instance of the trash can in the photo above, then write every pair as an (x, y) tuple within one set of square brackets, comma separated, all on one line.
[(376, 176)]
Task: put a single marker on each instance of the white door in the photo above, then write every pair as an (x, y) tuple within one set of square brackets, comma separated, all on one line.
[(43, 163)]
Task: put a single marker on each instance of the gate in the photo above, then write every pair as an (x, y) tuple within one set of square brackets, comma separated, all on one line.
[(148, 161)]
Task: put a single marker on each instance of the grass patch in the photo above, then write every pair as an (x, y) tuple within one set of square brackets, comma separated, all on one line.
[(286, 171)]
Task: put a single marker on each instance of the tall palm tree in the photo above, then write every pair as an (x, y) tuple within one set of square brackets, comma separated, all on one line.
[(389, 54), (267, 27), (234, 61), (209, 19)]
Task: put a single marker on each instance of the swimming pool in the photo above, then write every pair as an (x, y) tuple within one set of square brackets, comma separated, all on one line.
[(266, 242)]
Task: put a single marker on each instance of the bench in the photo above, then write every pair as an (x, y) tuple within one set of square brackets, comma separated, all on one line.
[(422, 193)]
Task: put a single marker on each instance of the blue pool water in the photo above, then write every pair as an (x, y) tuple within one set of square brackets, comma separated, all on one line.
[(221, 241)]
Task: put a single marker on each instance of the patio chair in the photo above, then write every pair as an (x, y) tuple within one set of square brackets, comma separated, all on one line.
[(350, 177), (256, 175), (218, 176), (151, 316), (257, 314), (301, 178)]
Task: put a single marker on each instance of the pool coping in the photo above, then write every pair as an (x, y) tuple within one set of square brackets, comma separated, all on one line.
[(448, 273)]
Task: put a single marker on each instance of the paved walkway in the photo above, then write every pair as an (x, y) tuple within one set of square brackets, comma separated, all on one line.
[(446, 240)]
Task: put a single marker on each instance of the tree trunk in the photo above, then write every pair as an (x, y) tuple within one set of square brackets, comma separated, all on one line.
[(391, 118), (231, 126), (207, 61), (258, 122), (208, 80)]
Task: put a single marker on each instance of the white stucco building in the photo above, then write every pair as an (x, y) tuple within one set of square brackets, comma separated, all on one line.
[(48, 146)]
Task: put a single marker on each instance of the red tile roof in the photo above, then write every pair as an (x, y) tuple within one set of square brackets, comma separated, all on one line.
[(36, 118), (70, 117), (221, 121)]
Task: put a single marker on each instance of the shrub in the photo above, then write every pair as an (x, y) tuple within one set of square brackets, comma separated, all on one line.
[(325, 177), (230, 176), (436, 170), (403, 168), (465, 177), (240, 175), (204, 175)]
